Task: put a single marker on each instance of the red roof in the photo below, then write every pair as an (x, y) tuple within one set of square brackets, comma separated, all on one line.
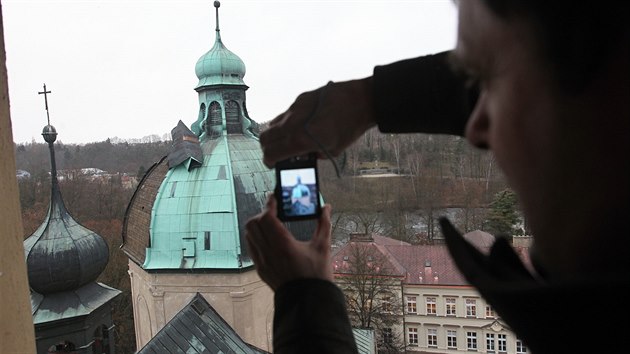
[(427, 264), (417, 264)]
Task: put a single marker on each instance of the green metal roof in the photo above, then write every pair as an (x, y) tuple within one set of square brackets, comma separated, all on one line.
[(70, 304), (366, 343), (191, 204), (219, 66), (195, 221), (198, 328)]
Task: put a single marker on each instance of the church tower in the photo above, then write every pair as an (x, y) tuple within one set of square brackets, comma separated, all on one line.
[(71, 311), (222, 92), (184, 229)]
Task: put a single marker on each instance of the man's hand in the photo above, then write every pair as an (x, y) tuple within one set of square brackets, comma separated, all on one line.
[(336, 115), (279, 257)]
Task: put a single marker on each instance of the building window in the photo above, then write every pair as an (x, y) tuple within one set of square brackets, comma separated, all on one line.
[(450, 306), (431, 303), (206, 240), (386, 304), (451, 339), (471, 308), (367, 306), (62, 347), (490, 347), (490, 312), (502, 343), (388, 336), (412, 304), (412, 336), (520, 347), (232, 117), (432, 337), (215, 114), (471, 341), (202, 116), (100, 343)]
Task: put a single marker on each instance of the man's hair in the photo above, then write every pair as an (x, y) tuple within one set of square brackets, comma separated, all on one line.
[(576, 37)]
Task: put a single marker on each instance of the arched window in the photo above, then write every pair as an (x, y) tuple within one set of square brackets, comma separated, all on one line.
[(232, 117), (215, 113), (202, 116), (101, 340), (62, 347)]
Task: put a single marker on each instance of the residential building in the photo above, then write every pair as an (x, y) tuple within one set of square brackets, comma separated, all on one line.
[(441, 312)]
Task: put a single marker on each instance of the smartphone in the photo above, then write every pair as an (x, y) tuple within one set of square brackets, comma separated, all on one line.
[(297, 188)]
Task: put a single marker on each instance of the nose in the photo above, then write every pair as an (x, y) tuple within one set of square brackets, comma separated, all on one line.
[(478, 126)]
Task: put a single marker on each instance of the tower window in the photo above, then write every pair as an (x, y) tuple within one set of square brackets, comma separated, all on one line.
[(206, 240), (202, 116), (173, 187), (232, 114), (215, 113)]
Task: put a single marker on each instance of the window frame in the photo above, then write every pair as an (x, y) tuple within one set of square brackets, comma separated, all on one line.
[(412, 335), (411, 301), (430, 305), (471, 341), (451, 306), (451, 339), (432, 337), (471, 308)]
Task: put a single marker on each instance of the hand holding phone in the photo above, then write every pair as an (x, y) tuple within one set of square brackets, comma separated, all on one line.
[(297, 188)]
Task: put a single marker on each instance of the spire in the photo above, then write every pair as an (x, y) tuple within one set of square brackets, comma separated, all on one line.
[(50, 135), (62, 254), (57, 206), (219, 66), (217, 4), (45, 93)]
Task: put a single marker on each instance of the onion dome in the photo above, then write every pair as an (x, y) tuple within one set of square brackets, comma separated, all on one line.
[(62, 255), (219, 66)]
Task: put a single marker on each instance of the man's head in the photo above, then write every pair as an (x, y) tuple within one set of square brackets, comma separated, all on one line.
[(556, 122), (575, 37)]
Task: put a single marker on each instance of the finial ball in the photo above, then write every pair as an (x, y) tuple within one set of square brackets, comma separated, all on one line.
[(49, 133), (217, 4)]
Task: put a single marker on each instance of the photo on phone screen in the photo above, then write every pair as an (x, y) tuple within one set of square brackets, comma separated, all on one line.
[(298, 192)]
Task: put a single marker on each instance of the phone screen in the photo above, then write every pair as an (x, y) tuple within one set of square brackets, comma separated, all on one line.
[(297, 191)]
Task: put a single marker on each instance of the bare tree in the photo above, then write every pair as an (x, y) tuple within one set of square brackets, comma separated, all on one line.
[(365, 221), (373, 293)]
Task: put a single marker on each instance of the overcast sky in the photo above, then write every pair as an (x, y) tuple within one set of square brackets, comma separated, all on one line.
[(127, 68)]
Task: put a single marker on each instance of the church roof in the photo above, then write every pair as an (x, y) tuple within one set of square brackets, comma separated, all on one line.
[(70, 304), (190, 209), (365, 340), (198, 328), (183, 218), (197, 221), (62, 255), (219, 66)]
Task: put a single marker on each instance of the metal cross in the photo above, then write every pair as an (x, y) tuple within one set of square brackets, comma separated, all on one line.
[(45, 93)]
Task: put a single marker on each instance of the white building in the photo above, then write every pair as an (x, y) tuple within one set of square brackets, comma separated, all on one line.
[(441, 312)]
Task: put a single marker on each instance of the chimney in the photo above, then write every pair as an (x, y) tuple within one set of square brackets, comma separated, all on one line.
[(428, 272)]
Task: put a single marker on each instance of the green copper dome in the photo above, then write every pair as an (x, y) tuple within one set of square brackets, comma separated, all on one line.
[(219, 66)]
